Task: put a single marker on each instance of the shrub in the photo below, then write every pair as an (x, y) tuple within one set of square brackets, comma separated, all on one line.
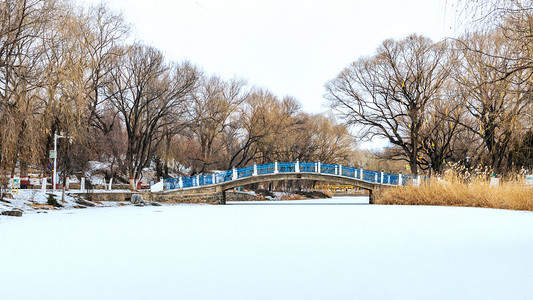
[(264, 193), (52, 201)]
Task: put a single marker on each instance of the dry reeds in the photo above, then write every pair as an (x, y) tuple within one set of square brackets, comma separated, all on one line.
[(459, 190), (328, 193), (291, 197)]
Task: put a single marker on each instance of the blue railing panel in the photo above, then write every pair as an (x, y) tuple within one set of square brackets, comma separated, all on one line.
[(387, 177), (327, 169), (308, 167), (206, 179), (369, 175), (350, 172), (394, 178), (188, 181), (287, 167), (265, 169), (245, 172), (170, 184), (223, 176)]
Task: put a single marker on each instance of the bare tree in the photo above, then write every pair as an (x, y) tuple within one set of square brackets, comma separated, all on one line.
[(177, 123), (146, 91), (513, 19), (315, 138), (495, 104), (262, 120), (443, 137), (102, 33), (333, 141), (213, 109), (387, 95)]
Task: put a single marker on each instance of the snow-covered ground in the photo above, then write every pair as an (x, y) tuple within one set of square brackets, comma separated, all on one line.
[(268, 252), (28, 200)]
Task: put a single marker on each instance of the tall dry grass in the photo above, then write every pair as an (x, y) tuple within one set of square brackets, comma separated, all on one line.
[(459, 190)]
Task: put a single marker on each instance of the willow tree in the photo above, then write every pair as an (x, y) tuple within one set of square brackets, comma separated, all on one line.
[(22, 24)]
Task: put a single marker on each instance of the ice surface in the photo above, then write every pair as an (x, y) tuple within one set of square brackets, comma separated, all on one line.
[(268, 252)]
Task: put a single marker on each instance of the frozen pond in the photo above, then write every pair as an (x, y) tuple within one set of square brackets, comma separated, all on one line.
[(343, 200), (268, 252)]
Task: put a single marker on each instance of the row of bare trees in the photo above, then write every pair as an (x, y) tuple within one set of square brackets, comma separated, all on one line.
[(74, 70), (228, 125), (465, 100)]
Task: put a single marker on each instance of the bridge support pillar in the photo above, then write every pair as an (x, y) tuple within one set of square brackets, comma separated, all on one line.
[(220, 196), (223, 197), (371, 197)]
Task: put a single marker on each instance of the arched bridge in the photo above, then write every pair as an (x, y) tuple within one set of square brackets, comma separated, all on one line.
[(222, 181)]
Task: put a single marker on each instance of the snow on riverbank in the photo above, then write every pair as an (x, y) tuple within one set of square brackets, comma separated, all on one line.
[(28, 200), (268, 252)]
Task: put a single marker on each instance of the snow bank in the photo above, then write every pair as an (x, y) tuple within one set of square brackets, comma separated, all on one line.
[(28, 200), (268, 252)]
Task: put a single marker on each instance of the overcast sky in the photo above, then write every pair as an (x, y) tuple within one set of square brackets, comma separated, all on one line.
[(290, 47)]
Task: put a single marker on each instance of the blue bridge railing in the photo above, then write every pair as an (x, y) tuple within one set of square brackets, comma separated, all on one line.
[(375, 177)]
